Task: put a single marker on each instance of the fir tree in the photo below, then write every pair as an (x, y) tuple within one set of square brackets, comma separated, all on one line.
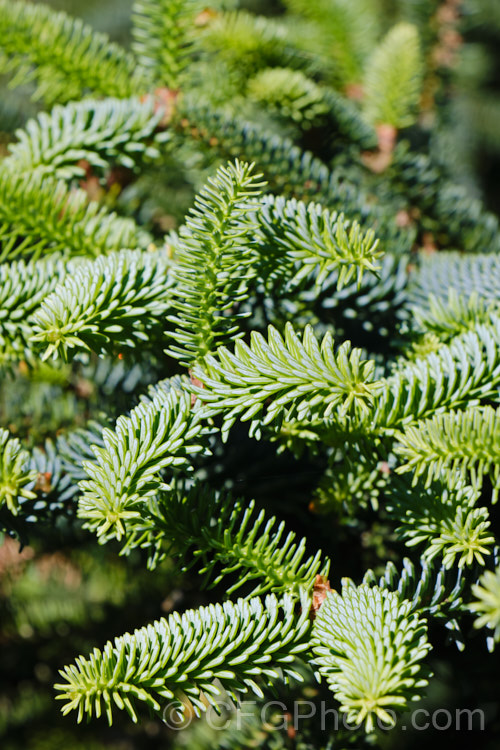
[(329, 299)]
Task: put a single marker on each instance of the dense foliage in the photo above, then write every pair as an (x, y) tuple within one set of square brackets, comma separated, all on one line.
[(250, 352)]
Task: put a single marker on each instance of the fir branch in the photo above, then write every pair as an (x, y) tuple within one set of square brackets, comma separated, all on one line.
[(248, 43), (39, 215), (76, 447), (445, 518), (55, 467), (369, 645), (372, 315), (113, 131), (105, 305), (213, 264), (457, 374), (163, 38), (15, 476), (466, 221), (228, 537), (290, 171), (23, 287), (393, 78), (233, 642), (487, 604), (65, 58), (466, 443), (267, 379), (157, 434), (349, 120), (347, 30), (289, 94), (447, 318), (448, 209), (55, 484), (51, 493), (436, 591), (369, 314), (355, 482), (315, 241), (466, 275)]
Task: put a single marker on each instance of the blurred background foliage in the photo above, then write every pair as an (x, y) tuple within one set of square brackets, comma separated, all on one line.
[(62, 594)]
